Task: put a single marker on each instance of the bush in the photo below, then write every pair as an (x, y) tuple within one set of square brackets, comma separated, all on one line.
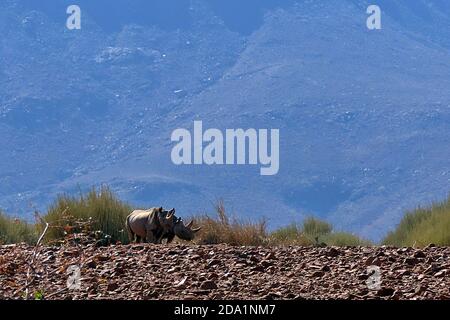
[(290, 235), (344, 239), (16, 231), (101, 209), (235, 232), (423, 226), (315, 228), (103, 214), (314, 232)]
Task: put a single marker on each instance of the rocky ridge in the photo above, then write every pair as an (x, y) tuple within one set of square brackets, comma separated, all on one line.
[(144, 271)]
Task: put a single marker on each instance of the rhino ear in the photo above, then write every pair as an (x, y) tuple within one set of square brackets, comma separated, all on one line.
[(160, 209)]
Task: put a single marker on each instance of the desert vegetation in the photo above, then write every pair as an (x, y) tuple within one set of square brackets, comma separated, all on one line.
[(102, 214), (13, 230), (314, 232), (423, 226), (100, 210), (221, 228)]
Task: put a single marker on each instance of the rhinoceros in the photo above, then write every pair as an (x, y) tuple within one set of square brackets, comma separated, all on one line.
[(150, 225), (155, 224), (182, 231)]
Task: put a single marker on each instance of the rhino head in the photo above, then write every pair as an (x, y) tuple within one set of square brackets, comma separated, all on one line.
[(166, 219), (185, 232)]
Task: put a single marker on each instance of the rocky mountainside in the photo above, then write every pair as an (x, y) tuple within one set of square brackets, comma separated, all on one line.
[(363, 115), (225, 272)]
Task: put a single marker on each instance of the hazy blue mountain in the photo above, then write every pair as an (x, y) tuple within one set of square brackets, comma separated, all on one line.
[(363, 115)]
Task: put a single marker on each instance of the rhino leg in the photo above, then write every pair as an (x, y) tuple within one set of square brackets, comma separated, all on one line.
[(170, 237), (160, 238), (150, 238), (131, 235)]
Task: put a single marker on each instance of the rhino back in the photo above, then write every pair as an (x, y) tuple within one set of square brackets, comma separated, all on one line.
[(141, 220)]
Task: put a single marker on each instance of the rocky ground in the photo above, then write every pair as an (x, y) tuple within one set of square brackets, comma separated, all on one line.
[(144, 271)]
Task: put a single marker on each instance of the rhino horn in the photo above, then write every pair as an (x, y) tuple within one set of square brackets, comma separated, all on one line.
[(196, 229), (189, 225), (171, 213)]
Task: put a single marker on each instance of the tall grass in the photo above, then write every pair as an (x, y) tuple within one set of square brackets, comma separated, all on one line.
[(314, 232), (290, 235), (345, 239), (423, 226), (16, 231), (315, 228), (222, 229), (101, 208), (106, 214)]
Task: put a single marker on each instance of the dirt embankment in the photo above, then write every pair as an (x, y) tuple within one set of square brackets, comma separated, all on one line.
[(223, 272)]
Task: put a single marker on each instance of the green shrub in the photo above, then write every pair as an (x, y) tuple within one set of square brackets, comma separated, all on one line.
[(315, 228), (100, 209), (290, 235), (344, 239), (16, 231), (423, 226), (314, 232)]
